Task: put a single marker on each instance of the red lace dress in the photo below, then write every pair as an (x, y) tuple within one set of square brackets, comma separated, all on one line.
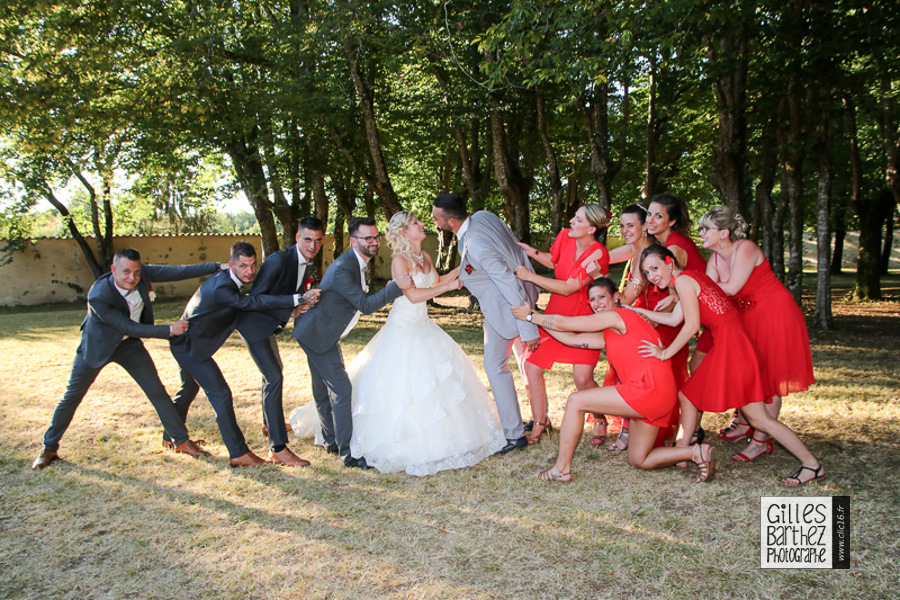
[(729, 376), (567, 265), (646, 384)]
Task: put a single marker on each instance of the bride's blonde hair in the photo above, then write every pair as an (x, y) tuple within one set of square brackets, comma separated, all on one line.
[(397, 241)]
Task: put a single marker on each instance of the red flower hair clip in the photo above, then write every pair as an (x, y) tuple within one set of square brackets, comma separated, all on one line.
[(669, 260)]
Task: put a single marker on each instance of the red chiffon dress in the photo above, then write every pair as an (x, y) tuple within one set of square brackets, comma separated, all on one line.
[(777, 328), (729, 376), (567, 265), (645, 383)]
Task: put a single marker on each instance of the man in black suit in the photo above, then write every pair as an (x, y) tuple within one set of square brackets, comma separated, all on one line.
[(119, 314), (344, 296), (287, 271), (212, 313)]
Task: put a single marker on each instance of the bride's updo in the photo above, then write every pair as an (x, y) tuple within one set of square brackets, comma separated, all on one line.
[(395, 238)]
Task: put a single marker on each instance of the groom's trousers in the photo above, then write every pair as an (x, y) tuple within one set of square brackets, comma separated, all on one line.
[(332, 392), (496, 364), (134, 358), (268, 359)]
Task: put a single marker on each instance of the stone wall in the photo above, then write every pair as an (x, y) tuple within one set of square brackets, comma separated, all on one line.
[(53, 270)]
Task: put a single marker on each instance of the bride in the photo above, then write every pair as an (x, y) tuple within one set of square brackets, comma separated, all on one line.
[(418, 404)]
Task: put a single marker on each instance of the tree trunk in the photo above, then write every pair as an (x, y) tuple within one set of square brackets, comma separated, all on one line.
[(283, 210), (792, 183), (729, 155), (97, 268), (596, 120), (512, 184), (823, 317), (888, 243), (557, 192), (363, 86), (871, 216), (765, 206), (249, 172), (654, 123)]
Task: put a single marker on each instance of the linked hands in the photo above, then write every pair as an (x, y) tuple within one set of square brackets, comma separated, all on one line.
[(178, 327), (521, 312)]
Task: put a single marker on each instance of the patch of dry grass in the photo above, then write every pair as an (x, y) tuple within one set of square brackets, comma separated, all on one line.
[(120, 518)]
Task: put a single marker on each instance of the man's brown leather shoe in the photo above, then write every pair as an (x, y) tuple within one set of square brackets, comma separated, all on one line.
[(191, 447), (287, 458), (44, 459), (248, 460), (171, 445)]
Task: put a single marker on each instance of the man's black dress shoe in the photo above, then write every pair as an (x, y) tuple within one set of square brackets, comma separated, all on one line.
[(331, 449), (511, 445), (529, 425), (358, 463)]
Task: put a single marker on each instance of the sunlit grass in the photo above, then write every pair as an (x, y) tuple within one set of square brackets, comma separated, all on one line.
[(121, 518)]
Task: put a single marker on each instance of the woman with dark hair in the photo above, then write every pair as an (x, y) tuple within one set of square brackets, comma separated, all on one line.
[(645, 394), (574, 247), (729, 376), (770, 315)]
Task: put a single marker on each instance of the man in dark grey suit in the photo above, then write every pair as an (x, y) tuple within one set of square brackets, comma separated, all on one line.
[(212, 313), (344, 297), (489, 256), (120, 314), (287, 271)]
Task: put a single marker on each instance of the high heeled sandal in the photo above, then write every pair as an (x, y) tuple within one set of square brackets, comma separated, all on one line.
[(730, 434), (707, 467), (551, 475), (698, 436), (598, 439), (817, 474), (621, 443), (545, 427), (741, 457)]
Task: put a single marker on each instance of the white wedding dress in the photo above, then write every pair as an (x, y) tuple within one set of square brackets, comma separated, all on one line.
[(418, 404)]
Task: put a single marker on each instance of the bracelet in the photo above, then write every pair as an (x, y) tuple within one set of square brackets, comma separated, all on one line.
[(663, 357)]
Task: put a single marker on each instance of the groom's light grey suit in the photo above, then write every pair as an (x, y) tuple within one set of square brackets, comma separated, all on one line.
[(489, 255)]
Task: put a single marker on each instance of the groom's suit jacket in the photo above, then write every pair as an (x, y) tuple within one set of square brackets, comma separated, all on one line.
[(320, 328), (489, 255), (108, 319)]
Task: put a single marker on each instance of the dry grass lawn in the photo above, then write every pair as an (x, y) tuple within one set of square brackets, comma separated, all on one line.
[(121, 518)]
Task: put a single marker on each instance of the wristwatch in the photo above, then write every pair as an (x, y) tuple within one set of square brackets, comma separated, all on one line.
[(530, 315)]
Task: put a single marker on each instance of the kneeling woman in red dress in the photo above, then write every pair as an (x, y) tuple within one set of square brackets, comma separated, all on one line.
[(645, 393), (729, 376)]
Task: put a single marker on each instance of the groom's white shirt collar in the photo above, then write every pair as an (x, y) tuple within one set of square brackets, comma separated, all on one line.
[(463, 228)]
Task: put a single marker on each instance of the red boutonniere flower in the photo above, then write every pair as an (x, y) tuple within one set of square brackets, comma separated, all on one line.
[(307, 283), (469, 269)]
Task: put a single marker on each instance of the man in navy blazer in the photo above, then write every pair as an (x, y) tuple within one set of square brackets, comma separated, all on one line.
[(119, 314), (212, 313), (287, 271), (343, 298)]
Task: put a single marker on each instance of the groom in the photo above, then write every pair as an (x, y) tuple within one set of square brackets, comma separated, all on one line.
[(343, 298), (489, 256)]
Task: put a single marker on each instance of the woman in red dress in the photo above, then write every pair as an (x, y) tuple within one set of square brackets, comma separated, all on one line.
[(729, 376), (646, 392), (574, 247), (773, 320)]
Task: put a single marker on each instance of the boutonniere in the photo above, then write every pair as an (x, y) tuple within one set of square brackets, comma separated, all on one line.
[(151, 294), (469, 269), (307, 283)]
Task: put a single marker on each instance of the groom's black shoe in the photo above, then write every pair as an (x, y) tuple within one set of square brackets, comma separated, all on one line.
[(511, 445), (331, 449), (359, 463)]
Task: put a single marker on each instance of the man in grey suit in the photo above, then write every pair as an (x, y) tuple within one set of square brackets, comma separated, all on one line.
[(119, 314), (344, 297), (489, 256)]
